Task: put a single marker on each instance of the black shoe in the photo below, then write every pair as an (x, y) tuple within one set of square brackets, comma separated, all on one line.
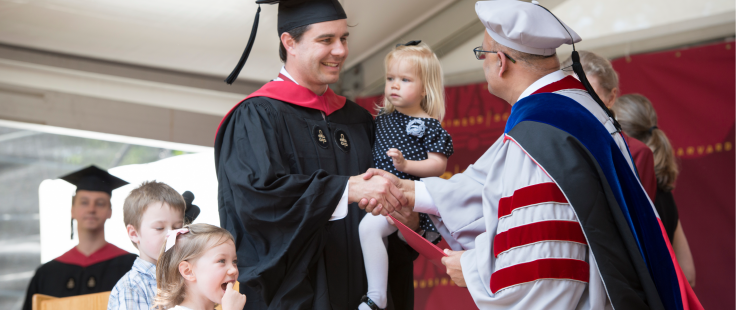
[(370, 303)]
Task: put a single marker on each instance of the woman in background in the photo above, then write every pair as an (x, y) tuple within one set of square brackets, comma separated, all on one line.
[(639, 120)]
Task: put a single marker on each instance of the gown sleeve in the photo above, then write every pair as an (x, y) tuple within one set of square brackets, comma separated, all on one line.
[(273, 210)]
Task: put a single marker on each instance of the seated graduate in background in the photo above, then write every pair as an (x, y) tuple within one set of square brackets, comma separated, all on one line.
[(94, 265)]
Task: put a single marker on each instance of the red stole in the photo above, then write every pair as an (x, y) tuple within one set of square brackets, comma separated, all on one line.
[(292, 93), (74, 257)]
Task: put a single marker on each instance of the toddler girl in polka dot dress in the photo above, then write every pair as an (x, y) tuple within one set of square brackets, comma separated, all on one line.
[(410, 143)]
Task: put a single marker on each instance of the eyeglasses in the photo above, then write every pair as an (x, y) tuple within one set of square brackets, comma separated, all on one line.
[(480, 54)]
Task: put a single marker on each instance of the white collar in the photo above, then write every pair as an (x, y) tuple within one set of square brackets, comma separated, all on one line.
[(286, 74), (544, 81)]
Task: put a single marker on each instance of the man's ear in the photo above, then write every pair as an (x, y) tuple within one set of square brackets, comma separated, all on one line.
[(186, 271), (503, 63), (289, 43), (133, 234)]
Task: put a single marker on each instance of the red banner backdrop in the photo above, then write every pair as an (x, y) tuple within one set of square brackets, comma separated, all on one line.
[(693, 93)]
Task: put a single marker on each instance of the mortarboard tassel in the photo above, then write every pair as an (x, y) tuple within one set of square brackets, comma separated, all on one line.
[(72, 237), (577, 67), (234, 75)]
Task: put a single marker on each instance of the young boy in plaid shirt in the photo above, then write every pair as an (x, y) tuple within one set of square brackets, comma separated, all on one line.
[(149, 212)]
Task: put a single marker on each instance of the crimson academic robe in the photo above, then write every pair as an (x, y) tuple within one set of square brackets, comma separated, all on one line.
[(644, 161), (74, 274), (282, 168)]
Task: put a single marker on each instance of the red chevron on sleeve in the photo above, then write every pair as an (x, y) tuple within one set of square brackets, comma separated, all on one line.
[(547, 268), (529, 196), (537, 232)]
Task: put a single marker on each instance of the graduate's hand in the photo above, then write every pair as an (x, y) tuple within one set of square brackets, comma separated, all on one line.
[(454, 268), (385, 195), (232, 300), (398, 158), (406, 186), (405, 216)]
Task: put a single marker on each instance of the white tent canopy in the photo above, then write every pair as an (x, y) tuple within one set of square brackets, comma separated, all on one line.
[(208, 37), (616, 28), (191, 36), (174, 54)]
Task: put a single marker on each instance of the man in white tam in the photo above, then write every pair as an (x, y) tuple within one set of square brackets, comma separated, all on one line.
[(553, 215)]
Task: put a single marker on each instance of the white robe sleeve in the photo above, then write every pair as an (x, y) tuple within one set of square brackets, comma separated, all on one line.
[(520, 262), (458, 202)]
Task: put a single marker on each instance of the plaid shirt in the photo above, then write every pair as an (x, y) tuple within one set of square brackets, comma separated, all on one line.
[(136, 289)]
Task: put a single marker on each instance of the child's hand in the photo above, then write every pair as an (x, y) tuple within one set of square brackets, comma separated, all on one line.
[(232, 300), (398, 158)]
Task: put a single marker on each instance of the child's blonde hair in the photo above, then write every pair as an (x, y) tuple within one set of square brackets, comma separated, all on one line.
[(428, 68), (189, 247)]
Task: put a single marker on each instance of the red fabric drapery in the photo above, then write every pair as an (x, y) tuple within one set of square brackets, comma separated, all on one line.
[(692, 90)]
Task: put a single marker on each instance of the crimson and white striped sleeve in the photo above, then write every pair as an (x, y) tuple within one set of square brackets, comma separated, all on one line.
[(534, 254)]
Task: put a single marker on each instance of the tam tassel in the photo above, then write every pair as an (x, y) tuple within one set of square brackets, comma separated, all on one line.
[(234, 75), (577, 67)]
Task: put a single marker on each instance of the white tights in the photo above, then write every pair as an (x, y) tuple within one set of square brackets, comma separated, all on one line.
[(373, 233)]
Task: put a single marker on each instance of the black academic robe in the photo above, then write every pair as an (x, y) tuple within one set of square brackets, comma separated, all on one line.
[(282, 170), (74, 274)]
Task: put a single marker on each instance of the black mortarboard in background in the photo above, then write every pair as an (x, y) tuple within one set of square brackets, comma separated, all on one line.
[(93, 179), (292, 14)]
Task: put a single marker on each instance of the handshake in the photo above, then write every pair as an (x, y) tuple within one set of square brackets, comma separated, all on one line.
[(380, 192)]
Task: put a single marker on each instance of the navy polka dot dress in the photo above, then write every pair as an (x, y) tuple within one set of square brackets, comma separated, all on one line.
[(414, 137)]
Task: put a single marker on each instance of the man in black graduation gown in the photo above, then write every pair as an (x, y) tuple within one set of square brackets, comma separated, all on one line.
[(284, 157), (94, 265)]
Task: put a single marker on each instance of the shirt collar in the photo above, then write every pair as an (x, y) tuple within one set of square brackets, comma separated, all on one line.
[(286, 74), (544, 81), (144, 267)]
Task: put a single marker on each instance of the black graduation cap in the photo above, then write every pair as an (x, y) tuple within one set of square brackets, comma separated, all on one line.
[(95, 179), (292, 14)]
